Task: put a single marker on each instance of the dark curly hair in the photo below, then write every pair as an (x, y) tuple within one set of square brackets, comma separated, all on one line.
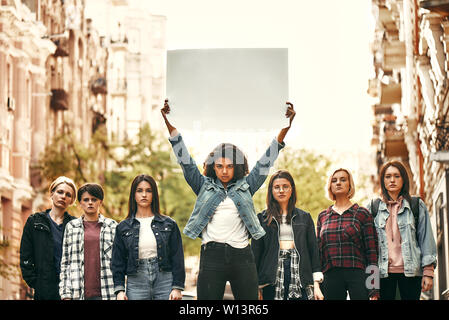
[(231, 152)]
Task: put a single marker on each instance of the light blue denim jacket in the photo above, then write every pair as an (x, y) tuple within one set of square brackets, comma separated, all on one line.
[(210, 192), (416, 254)]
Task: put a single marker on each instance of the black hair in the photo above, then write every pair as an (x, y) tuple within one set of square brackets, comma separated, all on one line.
[(94, 189), (132, 204), (231, 152)]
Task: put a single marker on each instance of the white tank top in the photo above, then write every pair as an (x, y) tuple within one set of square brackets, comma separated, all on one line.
[(147, 240), (226, 226), (285, 230)]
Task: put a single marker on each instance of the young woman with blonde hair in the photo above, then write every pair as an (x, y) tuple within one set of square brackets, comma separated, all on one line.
[(347, 241), (43, 233)]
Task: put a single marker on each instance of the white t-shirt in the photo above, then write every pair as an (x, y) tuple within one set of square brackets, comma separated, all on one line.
[(147, 240), (226, 226)]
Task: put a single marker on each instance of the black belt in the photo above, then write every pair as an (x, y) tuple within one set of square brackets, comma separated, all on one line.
[(213, 244)]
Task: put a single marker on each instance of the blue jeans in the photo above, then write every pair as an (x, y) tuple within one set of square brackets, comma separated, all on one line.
[(148, 283)]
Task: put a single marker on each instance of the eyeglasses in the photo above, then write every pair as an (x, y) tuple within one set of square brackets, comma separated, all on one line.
[(279, 188)]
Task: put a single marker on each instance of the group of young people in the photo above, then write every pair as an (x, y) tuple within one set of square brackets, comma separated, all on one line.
[(275, 254)]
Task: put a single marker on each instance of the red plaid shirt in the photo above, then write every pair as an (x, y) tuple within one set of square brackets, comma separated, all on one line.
[(348, 240)]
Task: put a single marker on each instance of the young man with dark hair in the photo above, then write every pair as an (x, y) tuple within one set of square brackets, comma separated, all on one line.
[(87, 250)]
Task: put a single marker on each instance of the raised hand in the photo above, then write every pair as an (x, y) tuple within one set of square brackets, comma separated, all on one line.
[(164, 111), (290, 113)]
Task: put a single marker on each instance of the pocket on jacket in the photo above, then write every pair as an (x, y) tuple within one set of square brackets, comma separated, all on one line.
[(244, 186), (351, 231), (127, 237)]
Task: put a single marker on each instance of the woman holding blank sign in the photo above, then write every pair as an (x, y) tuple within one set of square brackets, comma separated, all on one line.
[(224, 215)]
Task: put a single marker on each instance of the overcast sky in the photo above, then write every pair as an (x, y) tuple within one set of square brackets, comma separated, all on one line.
[(329, 61)]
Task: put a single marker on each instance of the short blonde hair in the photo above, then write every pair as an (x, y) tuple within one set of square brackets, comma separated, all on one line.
[(351, 192), (67, 181)]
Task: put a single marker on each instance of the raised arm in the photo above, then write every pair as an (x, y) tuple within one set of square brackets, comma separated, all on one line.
[(189, 168), (259, 173), (290, 113), (164, 111)]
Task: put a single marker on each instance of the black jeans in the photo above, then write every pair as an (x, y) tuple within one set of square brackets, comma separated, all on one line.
[(409, 287), (337, 281), (220, 263), (269, 292)]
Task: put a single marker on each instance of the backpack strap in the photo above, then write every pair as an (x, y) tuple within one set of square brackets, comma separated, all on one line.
[(375, 206), (415, 211)]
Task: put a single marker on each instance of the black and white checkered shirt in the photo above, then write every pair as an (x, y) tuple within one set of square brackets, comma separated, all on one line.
[(71, 283)]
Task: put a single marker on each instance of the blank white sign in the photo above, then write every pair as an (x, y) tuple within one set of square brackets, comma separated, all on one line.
[(226, 89)]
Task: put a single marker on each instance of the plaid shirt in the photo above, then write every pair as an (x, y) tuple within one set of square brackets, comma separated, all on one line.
[(348, 240), (71, 283)]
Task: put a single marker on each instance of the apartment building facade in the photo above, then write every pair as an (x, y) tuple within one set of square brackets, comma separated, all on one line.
[(53, 71), (410, 85)]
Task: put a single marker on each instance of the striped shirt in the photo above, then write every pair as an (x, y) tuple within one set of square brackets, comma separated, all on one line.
[(348, 240)]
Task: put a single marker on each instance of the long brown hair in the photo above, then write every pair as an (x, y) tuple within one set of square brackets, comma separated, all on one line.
[(273, 207), (405, 190), (132, 204)]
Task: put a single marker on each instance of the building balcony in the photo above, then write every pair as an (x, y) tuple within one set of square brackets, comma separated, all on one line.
[(386, 19), (380, 109), (394, 55), (394, 144), (119, 43), (59, 100), (439, 6), (99, 86), (390, 93), (98, 120), (62, 47)]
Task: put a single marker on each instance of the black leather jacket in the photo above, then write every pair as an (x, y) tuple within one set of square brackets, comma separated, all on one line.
[(266, 249), (37, 256)]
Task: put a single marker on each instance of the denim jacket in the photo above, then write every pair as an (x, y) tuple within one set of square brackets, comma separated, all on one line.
[(416, 253), (210, 192), (125, 251)]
